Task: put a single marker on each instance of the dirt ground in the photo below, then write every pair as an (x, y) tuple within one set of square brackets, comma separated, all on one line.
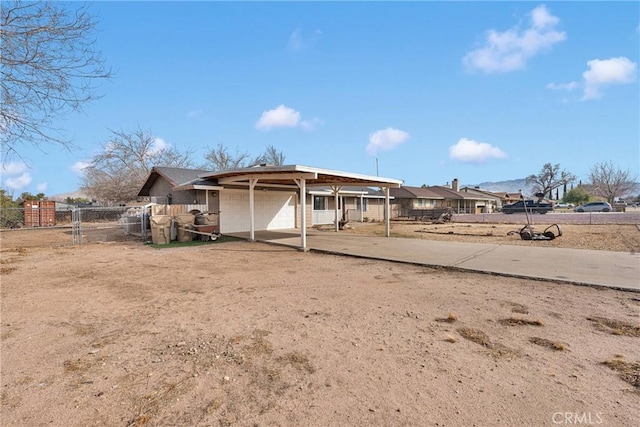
[(610, 237), (248, 334)]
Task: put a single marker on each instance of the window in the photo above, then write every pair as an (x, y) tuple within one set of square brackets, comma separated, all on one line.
[(319, 203), (365, 204)]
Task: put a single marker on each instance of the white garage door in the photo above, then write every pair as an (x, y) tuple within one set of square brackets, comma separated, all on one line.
[(274, 210)]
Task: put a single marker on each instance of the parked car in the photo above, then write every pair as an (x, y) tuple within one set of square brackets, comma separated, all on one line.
[(594, 207), (565, 206), (531, 206)]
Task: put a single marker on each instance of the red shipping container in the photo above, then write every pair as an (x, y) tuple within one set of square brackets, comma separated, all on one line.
[(31, 213), (47, 213), (39, 213)]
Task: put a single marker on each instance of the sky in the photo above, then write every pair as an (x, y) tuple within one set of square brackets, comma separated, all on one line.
[(419, 91)]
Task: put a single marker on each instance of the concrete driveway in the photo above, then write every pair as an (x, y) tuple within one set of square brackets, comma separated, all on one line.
[(618, 270)]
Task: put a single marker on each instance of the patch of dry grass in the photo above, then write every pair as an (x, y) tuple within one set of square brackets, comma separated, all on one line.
[(7, 270), (518, 308), (615, 327), (553, 345), (298, 361), (479, 337), (75, 366), (628, 371), (514, 321)]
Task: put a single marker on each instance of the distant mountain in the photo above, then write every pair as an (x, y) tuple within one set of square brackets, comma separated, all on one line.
[(511, 186), (74, 195)]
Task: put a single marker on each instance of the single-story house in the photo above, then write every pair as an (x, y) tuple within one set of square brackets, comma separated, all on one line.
[(268, 197), (407, 199), (496, 200)]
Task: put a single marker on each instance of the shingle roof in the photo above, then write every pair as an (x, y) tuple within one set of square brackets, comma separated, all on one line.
[(406, 192), (175, 176)]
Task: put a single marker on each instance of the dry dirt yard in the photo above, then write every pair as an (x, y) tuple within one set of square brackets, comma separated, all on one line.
[(248, 334), (609, 237)]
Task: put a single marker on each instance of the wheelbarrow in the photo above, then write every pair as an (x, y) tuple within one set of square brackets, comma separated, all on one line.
[(527, 233)]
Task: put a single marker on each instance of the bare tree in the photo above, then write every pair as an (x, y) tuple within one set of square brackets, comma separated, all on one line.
[(272, 156), (549, 178), (116, 174), (610, 182), (50, 67), (220, 158)]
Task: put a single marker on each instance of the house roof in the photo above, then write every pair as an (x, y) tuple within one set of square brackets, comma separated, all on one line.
[(433, 193), (187, 179), (406, 192), (314, 177), (175, 177), (448, 193)]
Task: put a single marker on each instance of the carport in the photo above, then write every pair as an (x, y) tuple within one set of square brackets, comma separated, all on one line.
[(301, 178)]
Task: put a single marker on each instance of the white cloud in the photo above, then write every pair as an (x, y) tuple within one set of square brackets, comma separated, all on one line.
[(470, 151), (385, 140), (42, 187), (510, 50), (78, 167), (279, 117), (158, 145), (299, 42), (14, 175), (601, 73), (13, 168), (285, 117), (604, 72), (564, 86), (18, 182)]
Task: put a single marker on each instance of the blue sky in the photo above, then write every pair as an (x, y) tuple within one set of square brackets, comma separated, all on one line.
[(479, 91)]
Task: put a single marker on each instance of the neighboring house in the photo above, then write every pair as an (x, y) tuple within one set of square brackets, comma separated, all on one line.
[(494, 201), (162, 181), (267, 197), (408, 198), (507, 198)]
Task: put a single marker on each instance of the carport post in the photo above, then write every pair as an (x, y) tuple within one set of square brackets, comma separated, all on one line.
[(252, 232), (336, 190), (303, 217), (387, 211)]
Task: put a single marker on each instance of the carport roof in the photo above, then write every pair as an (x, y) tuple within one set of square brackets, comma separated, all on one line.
[(287, 173)]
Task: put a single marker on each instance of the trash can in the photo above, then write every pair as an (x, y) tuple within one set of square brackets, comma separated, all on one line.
[(161, 229), (184, 222)]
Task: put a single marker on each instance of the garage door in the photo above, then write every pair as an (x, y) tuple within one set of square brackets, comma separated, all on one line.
[(274, 210)]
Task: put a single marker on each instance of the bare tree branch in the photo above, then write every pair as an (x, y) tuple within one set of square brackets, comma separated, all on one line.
[(116, 174), (610, 182), (550, 178), (49, 68), (220, 158)]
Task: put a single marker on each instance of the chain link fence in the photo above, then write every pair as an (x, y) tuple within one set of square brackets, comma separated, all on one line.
[(84, 225)]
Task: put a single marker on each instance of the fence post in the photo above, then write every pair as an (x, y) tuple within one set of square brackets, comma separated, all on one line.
[(76, 226)]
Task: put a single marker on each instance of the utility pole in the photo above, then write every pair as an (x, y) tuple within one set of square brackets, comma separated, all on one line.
[(377, 167)]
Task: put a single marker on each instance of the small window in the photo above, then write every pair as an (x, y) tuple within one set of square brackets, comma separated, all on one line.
[(364, 203), (319, 203)]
